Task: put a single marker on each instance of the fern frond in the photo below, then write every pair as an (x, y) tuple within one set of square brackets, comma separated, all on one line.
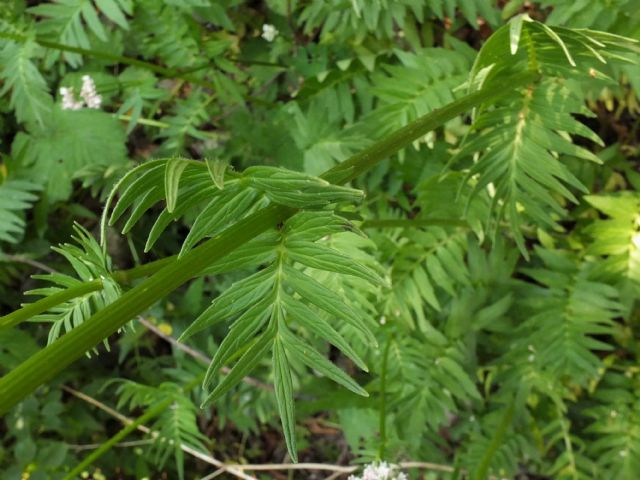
[(324, 143), (187, 185), (161, 30), (90, 263), (616, 425), (427, 260), (29, 92), (422, 82), (567, 315), (281, 297), (189, 114), (493, 445), (175, 428), (427, 376), (70, 21), (516, 145), (519, 143), (381, 17), (617, 238), (16, 196)]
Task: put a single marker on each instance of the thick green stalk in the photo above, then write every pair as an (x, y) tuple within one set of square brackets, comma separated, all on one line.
[(369, 157), (125, 277), (32, 309), (48, 362)]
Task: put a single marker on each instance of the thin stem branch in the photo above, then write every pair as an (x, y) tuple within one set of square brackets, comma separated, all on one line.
[(144, 429), (383, 400), (92, 446), (361, 162), (197, 354), (179, 345), (123, 277), (106, 446), (27, 261), (338, 469), (161, 71), (144, 121), (32, 309), (497, 440), (411, 222)]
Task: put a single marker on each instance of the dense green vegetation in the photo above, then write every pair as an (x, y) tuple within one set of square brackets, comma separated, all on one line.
[(322, 232)]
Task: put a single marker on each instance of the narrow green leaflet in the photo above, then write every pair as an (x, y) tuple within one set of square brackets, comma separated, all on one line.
[(309, 356), (173, 172), (248, 361), (216, 169), (284, 395)]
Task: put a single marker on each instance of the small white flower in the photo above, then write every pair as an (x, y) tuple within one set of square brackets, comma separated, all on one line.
[(269, 32), (531, 358), (383, 320), (89, 94), (90, 97), (69, 101), (379, 471)]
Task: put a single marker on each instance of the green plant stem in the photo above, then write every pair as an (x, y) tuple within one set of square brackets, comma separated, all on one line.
[(145, 121), (383, 400), (411, 222), (106, 446), (369, 157), (48, 362), (33, 309), (498, 439), (150, 414), (161, 71), (123, 277)]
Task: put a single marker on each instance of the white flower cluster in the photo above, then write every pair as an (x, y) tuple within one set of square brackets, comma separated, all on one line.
[(269, 32), (379, 471), (88, 92)]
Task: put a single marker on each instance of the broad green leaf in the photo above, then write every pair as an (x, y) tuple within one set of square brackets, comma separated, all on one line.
[(69, 142)]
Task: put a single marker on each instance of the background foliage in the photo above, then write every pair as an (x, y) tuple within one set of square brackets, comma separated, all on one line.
[(475, 293)]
